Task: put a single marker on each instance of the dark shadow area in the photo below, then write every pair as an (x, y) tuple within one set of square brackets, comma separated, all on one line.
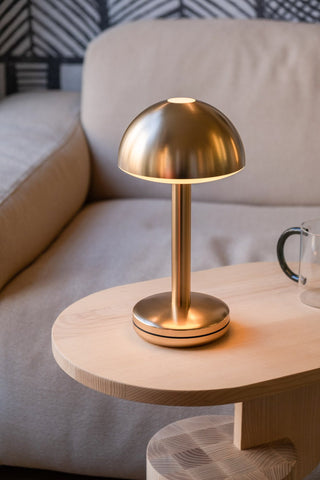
[(16, 473)]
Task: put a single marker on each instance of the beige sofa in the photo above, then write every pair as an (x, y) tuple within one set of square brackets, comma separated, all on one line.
[(71, 223)]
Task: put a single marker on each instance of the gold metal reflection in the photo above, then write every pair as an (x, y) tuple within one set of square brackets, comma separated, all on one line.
[(181, 141)]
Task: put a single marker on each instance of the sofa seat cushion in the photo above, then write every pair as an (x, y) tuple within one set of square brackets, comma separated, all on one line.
[(47, 419)]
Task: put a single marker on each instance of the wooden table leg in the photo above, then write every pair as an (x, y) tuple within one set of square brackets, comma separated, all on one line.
[(294, 415)]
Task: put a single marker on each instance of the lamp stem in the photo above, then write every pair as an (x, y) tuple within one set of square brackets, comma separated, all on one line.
[(181, 246)]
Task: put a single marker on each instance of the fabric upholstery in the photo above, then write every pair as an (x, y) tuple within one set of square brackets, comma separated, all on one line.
[(44, 173), (47, 420), (263, 75)]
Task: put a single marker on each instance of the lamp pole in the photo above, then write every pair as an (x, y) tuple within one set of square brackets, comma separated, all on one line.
[(181, 248)]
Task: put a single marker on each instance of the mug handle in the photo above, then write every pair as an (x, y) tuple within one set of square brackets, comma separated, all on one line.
[(280, 252)]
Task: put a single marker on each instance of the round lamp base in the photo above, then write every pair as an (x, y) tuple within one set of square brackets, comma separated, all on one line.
[(156, 321)]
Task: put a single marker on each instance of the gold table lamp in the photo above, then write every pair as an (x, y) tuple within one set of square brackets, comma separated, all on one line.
[(181, 141)]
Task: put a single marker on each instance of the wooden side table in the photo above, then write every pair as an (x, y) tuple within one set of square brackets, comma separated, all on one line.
[(268, 364)]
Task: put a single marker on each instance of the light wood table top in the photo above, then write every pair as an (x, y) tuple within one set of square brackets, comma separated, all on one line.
[(272, 346)]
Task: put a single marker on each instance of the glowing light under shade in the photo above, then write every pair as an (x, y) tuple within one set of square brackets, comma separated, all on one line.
[(182, 181)]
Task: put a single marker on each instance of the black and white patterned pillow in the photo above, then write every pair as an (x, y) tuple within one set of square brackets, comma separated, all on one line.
[(42, 43)]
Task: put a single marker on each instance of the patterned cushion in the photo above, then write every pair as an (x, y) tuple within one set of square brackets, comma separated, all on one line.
[(55, 36)]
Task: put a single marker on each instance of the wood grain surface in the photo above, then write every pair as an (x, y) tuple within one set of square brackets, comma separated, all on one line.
[(269, 364), (201, 448), (272, 346), (294, 414)]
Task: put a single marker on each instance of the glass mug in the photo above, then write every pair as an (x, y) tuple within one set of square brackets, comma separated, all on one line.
[(308, 276)]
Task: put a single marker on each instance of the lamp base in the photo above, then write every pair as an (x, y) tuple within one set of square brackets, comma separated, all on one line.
[(156, 321)]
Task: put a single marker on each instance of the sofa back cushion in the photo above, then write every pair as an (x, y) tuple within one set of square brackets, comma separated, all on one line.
[(264, 75)]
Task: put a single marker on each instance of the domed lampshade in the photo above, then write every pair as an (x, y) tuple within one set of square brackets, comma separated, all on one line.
[(181, 141)]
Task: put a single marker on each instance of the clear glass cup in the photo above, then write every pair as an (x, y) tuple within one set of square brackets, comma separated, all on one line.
[(308, 277)]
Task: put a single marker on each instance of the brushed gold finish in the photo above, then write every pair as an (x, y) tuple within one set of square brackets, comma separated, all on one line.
[(189, 142), (181, 141), (180, 318), (156, 320), (181, 247)]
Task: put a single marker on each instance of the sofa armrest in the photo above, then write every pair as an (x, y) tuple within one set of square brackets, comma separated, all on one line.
[(44, 173)]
